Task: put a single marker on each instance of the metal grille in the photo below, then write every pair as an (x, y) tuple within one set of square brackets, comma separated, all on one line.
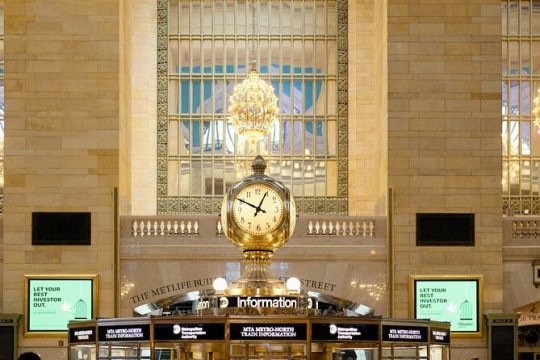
[(204, 49), (520, 137)]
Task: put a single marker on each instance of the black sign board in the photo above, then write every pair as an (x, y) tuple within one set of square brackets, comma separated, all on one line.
[(7, 321), (503, 321), (124, 332), (344, 332), (271, 331), (440, 336), (399, 333), (207, 331), (82, 335)]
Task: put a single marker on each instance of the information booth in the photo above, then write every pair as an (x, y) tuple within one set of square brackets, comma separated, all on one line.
[(258, 338)]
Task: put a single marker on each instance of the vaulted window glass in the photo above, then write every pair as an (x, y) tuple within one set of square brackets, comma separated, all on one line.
[(209, 45)]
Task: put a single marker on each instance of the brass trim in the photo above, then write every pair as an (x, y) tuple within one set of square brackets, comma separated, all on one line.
[(56, 334), (478, 277)]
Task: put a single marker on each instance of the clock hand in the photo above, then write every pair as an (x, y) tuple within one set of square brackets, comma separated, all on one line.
[(258, 208), (247, 203)]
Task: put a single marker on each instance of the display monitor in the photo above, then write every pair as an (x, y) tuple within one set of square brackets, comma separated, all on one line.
[(454, 299), (52, 301)]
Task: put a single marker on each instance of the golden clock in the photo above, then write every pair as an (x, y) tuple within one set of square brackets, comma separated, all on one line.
[(258, 212), (258, 209)]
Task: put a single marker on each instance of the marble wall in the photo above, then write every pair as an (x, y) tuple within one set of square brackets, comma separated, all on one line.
[(61, 142)]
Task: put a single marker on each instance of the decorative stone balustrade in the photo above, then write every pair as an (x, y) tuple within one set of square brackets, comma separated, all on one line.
[(357, 228), (525, 227), (209, 226), (165, 227)]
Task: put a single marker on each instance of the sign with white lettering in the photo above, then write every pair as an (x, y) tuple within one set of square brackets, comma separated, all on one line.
[(82, 335), (344, 332), (439, 336), (272, 331), (179, 331), (124, 332), (455, 300), (399, 333), (51, 302)]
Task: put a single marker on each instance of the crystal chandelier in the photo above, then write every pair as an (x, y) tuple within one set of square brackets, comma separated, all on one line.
[(536, 110), (253, 105)]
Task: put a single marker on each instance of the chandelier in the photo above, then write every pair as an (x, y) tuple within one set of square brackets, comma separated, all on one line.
[(253, 105), (536, 110)]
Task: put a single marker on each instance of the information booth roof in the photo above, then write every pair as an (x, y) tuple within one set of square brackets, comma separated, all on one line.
[(256, 328)]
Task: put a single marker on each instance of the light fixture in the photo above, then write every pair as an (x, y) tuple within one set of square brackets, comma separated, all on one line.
[(293, 284), (253, 104), (536, 110), (219, 284)]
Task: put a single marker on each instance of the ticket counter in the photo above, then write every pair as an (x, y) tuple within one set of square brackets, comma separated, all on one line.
[(258, 338)]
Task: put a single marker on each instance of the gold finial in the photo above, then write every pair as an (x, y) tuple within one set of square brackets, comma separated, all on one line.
[(258, 165)]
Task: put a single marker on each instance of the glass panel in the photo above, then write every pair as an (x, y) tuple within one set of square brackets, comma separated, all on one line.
[(331, 59), (331, 171), (196, 61), (298, 15), (207, 16), (513, 173), (195, 18), (173, 97), (320, 18), (504, 98), (514, 138), (525, 178), (173, 138), (184, 18), (186, 136), (195, 177), (536, 18), (172, 182), (309, 18), (514, 57), (332, 17), (183, 181), (184, 57), (513, 18), (525, 57), (173, 17), (525, 98), (505, 177), (524, 18), (535, 186), (173, 57), (504, 18), (514, 98), (525, 138), (207, 173), (332, 97)]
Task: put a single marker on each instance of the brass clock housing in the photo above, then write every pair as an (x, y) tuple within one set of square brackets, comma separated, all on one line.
[(262, 222)]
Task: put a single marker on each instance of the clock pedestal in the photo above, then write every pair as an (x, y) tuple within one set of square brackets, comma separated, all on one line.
[(257, 278)]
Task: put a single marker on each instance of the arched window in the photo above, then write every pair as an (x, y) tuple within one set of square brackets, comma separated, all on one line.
[(204, 49)]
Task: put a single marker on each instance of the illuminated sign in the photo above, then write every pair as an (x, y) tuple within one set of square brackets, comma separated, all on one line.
[(179, 331), (398, 333), (344, 332), (439, 336), (255, 302), (272, 331), (452, 299), (51, 302), (130, 332), (82, 335)]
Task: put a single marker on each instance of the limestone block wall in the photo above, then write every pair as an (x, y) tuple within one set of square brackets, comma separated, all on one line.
[(138, 137), (368, 156), (444, 139), (61, 137)]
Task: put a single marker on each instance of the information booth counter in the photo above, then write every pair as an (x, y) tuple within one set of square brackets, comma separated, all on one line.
[(258, 338)]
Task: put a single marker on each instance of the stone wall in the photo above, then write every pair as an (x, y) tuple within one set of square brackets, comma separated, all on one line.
[(62, 104), (444, 139)]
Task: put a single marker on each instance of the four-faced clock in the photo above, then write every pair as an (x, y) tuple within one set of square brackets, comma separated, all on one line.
[(258, 209)]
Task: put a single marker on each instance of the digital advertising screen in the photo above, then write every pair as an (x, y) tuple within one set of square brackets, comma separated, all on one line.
[(52, 302), (454, 299)]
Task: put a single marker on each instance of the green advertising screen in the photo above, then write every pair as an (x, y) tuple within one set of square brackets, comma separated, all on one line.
[(52, 303), (453, 300)]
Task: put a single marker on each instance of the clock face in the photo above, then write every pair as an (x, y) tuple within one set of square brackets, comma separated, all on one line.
[(258, 209)]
